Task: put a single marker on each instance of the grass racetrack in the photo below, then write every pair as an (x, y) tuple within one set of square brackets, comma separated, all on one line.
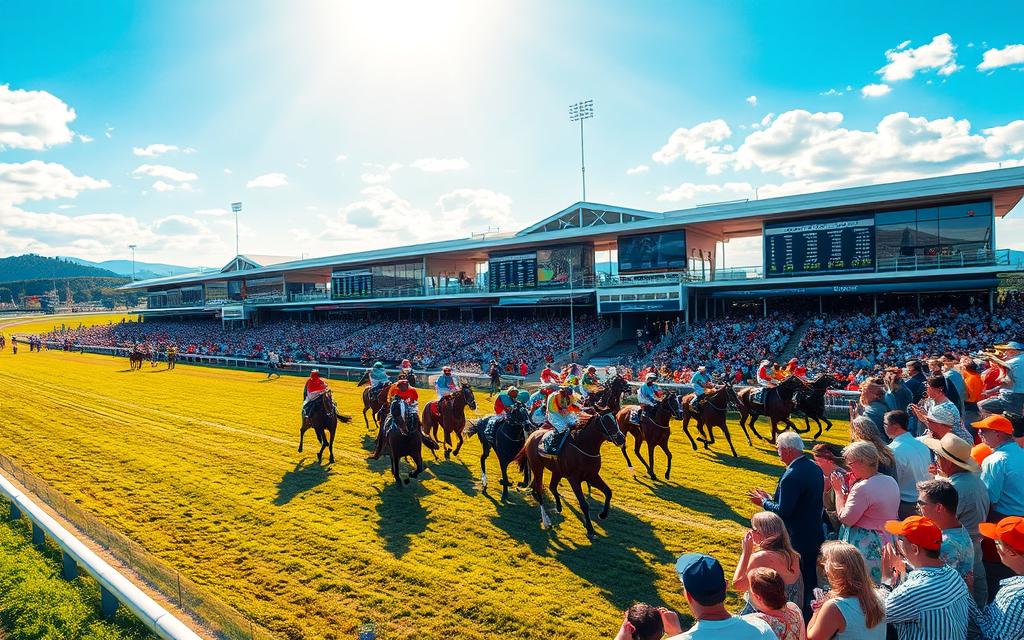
[(200, 467)]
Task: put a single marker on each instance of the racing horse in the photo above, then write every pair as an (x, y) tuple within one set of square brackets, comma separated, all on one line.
[(811, 402), (506, 437), (777, 404), (404, 438), (451, 417), (609, 398), (654, 431), (323, 420), (712, 414), (579, 462), (371, 403), (135, 359)]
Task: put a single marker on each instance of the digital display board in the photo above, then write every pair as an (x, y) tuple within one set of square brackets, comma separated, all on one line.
[(555, 264), (652, 251), (824, 245), (357, 283), (512, 272)]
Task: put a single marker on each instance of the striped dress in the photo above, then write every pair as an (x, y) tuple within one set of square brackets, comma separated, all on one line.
[(932, 603)]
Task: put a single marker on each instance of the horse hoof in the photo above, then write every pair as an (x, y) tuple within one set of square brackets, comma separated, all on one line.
[(332, 460), (652, 476), (405, 481), (523, 485), (666, 476)]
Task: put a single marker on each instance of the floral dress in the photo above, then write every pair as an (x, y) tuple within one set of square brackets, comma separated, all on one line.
[(787, 623)]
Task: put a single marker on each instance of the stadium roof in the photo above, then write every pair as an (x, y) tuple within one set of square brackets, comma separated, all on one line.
[(586, 219)]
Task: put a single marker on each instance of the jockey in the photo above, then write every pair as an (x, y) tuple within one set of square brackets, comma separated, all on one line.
[(649, 395), (700, 381), (378, 376), (548, 376), (504, 401), (794, 369), (764, 374), (563, 414), (313, 389), (445, 383), (538, 404), (404, 392), (406, 366), (589, 383)]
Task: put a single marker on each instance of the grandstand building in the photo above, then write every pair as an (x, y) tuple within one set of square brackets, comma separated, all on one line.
[(919, 237)]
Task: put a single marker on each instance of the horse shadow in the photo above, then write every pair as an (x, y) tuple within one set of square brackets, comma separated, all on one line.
[(696, 500), (455, 473), (400, 517), (749, 464), (302, 478)]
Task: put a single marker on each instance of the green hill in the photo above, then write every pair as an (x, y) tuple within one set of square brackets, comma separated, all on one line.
[(33, 267)]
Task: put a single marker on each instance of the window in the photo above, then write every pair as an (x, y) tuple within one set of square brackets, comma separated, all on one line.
[(926, 236)]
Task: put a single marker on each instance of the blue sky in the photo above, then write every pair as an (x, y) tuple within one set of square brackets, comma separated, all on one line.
[(344, 126)]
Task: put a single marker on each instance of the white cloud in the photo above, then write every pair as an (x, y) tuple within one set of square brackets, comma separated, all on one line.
[(158, 149), (752, 101), (640, 168), (436, 165), (1011, 54), (698, 144), (302, 164), (213, 213), (109, 132), (227, 172), (904, 62), (165, 172), (375, 178), (33, 120), (875, 90), (831, 92), (160, 185), (84, 138), (341, 157), (38, 180), (268, 181), (1004, 140), (689, 191), (468, 208)]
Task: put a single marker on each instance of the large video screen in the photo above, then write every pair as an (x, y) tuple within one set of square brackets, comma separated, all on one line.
[(652, 251), (823, 245), (512, 272), (553, 265)]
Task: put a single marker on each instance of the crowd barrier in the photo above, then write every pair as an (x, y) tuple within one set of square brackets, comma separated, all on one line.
[(215, 617)]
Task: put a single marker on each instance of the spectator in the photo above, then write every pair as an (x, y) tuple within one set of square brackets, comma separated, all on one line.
[(973, 388), (1002, 472), (704, 583), (768, 595), (767, 545), (865, 499), (1011, 391), (871, 404), (852, 610), (798, 501), (936, 369), (916, 383), (912, 460), (931, 600), (829, 458), (955, 378), (938, 502), (955, 461), (866, 429), (1004, 618), (644, 622), (937, 413), (897, 396)]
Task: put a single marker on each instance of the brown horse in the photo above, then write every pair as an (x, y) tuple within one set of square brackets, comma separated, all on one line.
[(811, 402), (712, 414), (374, 402), (607, 399), (135, 360), (452, 418), (323, 420), (654, 431), (777, 405), (404, 438), (579, 462)]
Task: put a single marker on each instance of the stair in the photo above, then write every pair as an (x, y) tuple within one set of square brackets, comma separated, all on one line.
[(798, 334), (613, 354)]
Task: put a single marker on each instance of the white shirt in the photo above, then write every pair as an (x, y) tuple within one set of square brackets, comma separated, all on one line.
[(912, 460), (733, 628)]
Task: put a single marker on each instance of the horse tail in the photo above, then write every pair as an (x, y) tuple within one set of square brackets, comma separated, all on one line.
[(521, 458)]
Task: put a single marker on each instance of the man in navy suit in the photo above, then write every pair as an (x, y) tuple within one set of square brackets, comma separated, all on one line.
[(798, 501), (916, 383)]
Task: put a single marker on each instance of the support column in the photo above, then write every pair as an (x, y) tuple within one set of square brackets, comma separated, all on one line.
[(38, 536), (764, 301), (874, 301), (108, 603), (991, 300), (821, 304), (69, 568)]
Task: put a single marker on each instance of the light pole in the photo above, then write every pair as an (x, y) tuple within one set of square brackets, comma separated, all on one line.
[(572, 317), (236, 207), (580, 112), (132, 247)]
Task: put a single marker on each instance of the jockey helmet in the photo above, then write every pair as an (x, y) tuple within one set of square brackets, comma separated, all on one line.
[(764, 362), (378, 365), (702, 368), (651, 377), (315, 373), (792, 361), (512, 391), (403, 381), (446, 369), (592, 368)]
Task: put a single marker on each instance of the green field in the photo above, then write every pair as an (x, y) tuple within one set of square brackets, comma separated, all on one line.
[(199, 466)]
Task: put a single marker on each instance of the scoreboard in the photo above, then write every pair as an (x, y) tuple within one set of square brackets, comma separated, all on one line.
[(825, 245), (513, 272)]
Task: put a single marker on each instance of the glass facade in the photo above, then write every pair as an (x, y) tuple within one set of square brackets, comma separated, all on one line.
[(216, 292), (948, 231), (398, 279)]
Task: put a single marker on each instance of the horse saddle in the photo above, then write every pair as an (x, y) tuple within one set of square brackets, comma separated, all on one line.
[(635, 415), (548, 443), (761, 396), (489, 429)]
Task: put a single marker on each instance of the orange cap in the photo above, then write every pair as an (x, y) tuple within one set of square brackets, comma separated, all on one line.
[(1009, 531), (995, 423), (919, 530), (980, 451)]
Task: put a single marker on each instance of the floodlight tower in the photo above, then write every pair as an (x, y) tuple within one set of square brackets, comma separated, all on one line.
[(132, 247), (236, 207), (578, 113)]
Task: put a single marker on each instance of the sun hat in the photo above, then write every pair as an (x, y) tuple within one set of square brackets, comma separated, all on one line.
[(702, 577), (995, 423), (955, 449), (943, 415), (919, 530), (1009, 531)]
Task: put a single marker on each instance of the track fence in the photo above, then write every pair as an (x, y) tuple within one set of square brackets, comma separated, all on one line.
[(216, 618)]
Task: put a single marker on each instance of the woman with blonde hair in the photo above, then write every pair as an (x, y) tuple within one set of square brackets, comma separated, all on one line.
[(852, 610), (767, 545), (865, 500), (866, 429)]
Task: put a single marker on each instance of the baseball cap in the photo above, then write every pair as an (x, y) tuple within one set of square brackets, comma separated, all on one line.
[(955, 449), (919, 530), (980, 451), (943, 415), (1012, 344), (702, 577), (1009, 531), (995, 423)]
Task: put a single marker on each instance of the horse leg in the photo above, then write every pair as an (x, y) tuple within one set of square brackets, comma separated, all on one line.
[(447, 444), (322, 438), (504, 480), (584, 508), (302, 432), (775, 431), (637, 441), (417, 457), (367, 422), (686, 431), (828, 423), (602, 486), (527, 472), (458, 447), (394, 469), (668, 454), (483, 465), (793, 426), (818, 423), (629, 463), (650, 459), (330, 446), (553, 487), (753, 419), (728, 438)]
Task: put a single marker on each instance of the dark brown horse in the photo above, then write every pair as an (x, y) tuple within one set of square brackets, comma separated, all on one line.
[(135, 359), (608, 399), (323, 420), (506, 437), (579, 462), (373, 401), (654, 431), (712, 414), (404, 438), (452, 418), (811, 402), (777, 405)]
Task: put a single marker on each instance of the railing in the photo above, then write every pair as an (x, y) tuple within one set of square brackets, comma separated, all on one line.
[(115, 588), (641, 279), (315, 296), (980, 258)]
